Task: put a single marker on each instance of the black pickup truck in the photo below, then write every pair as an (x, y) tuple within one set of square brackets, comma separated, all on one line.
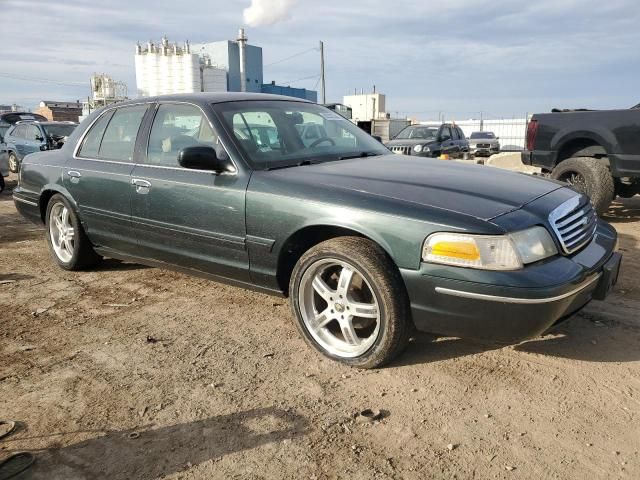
[(597, 151)]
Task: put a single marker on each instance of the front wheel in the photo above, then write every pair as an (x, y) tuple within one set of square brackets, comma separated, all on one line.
[(590, 176), (350, 302), (67, 241), (14, 166)]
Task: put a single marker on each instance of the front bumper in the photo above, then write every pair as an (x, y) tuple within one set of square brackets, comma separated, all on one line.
[(483, 151), (512, 311)]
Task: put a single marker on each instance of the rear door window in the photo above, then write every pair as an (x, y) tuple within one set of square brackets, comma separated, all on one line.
[(119, 139), (18, 132), (91, 143)]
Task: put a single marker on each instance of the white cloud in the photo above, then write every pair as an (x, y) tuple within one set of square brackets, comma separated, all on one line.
[(267, 12)]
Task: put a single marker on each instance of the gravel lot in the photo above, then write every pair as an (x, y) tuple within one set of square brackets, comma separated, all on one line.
[(133, 372)]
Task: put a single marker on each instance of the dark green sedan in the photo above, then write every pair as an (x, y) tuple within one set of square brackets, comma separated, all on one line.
[(367, 245)]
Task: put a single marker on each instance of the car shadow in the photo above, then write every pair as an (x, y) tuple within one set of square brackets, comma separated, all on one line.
[(581, 339), (624, 210), (149, 453), (428, 348), (112, 264), (578, 338)]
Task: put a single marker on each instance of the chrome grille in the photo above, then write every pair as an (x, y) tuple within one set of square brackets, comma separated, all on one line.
[(574, 223), (483, 145), (401, 150)]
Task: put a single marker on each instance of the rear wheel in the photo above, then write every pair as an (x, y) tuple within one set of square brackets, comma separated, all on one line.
[(1, 183), (589, 176), (67, 241), (13, 162), (350, 303)]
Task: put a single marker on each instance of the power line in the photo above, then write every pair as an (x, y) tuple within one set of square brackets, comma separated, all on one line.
[(292, 56), (41, 80), (300, 79)]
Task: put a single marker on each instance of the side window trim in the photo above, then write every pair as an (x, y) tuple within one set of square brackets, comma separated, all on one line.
[(111, 112), (131, 160), (108, 113)]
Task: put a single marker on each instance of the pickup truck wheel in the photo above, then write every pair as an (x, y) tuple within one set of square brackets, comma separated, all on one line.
[(13, 162), (589, 176), (350, 303), (67, 241)]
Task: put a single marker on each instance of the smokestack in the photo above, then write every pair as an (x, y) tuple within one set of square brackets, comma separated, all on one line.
[(242, 43)]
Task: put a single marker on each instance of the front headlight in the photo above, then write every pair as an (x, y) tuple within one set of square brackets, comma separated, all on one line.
[(489, 252), (417, 148)]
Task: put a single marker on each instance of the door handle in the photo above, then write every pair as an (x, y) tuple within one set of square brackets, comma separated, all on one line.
[(74, 176), (142, 186)]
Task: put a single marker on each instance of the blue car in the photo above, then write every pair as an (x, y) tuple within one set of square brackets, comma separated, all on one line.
[(28, 137)]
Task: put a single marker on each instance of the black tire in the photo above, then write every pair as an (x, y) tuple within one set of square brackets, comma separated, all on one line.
[(590, 176), (386, 284), (1, 183), (625, 190), (14, 163), (83, 256)]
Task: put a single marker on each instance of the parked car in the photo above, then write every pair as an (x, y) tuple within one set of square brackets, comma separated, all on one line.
[(484, 144), (10, 118), (4, 166), (596, 152), (427, 141), (367, 245), (6, 120), (27, 137)]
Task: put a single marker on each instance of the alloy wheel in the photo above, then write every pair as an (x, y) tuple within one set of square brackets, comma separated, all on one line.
[(62, 232), (13, 163), (339, 308)]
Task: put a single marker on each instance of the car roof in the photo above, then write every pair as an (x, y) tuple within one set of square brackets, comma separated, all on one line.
[(203, 98)]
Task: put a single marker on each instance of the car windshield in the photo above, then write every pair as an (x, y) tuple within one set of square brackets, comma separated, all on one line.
[(62, 130), (482, 135), (414, 132), (275, 134)]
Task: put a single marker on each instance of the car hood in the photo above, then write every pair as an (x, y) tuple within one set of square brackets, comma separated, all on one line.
[(479, 191), (410, 141)]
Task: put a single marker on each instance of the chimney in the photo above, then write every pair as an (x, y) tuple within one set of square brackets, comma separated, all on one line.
[(242, 43)]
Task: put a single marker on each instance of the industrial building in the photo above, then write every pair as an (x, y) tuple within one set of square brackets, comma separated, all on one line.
[(366, 106), (60, 111), (104, 91), (224, 66)]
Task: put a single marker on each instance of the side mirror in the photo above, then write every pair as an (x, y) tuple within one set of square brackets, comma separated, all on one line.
[(39, 138), (201, 157), (377, 137), (497, 138)]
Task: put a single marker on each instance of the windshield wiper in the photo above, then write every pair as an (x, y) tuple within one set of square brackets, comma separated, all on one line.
[(360, 155), (289, 165)]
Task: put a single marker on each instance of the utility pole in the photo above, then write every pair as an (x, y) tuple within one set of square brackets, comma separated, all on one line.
[(322, 84)]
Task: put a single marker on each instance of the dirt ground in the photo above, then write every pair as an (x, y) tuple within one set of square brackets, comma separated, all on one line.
[(130, 372)]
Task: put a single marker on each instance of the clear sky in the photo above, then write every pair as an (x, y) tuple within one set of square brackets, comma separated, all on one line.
[(501, 57)]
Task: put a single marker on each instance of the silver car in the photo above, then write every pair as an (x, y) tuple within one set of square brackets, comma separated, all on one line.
[(483, 144)]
